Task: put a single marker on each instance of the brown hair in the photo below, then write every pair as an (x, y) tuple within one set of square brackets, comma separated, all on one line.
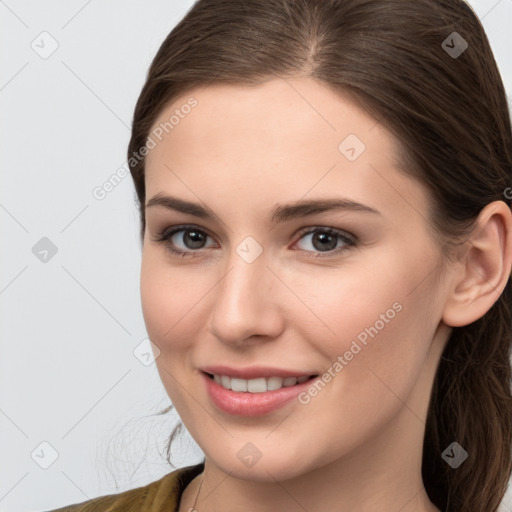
[(449, 113)]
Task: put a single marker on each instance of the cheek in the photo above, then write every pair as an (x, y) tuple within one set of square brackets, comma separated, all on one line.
[(168, 297), (376, 330)]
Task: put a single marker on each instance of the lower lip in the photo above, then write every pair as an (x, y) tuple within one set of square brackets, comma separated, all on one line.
[(252, 404)]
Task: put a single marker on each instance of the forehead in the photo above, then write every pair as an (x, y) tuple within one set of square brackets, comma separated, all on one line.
[(293, 136), (277, 111)]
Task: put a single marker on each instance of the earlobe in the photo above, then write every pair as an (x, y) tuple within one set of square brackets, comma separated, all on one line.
[(484, 269)]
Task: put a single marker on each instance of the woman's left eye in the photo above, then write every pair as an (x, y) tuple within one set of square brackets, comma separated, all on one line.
[(324, 240)]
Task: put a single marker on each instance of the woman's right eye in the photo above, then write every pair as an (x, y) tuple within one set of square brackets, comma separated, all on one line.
[(190, 236)]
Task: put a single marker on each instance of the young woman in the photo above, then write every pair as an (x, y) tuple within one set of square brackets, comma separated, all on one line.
[(324, 192)]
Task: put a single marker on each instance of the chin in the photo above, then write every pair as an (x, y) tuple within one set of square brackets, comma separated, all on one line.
[(268, 468)]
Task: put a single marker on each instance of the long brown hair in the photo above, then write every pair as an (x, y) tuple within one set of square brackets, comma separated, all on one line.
[(401, 61)]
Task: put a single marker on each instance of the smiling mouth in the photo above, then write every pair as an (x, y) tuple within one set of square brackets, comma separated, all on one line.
[(258, 385)]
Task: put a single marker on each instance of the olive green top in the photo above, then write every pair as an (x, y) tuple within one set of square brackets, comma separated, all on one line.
[(160, 496)]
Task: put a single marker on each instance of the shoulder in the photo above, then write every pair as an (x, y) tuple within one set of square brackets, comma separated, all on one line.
[(162, 495)]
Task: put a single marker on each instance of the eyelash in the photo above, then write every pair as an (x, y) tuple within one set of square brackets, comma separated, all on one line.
[(349, 240)]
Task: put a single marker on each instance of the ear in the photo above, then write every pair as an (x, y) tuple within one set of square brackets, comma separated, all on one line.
[(482, 273)]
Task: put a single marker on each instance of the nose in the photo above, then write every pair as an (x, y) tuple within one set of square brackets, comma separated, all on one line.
[(246, 303)]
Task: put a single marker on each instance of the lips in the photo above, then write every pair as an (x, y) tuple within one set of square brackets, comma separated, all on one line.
[(250, 404)]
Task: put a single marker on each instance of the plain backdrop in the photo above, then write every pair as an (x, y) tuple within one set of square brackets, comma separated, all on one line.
[(77, 390)]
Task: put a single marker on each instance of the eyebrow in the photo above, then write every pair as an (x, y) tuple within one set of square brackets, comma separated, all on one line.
[(280, 213)]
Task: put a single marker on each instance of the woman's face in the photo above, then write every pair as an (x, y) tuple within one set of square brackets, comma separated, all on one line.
[(354, 292)]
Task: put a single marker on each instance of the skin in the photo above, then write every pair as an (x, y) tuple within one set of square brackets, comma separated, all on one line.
[(357, 445)]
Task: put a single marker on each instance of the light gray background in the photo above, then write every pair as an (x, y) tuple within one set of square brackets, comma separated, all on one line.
[(68, 373)]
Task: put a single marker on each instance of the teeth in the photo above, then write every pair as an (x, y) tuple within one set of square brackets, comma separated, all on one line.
[(290, 381), (259, 385), (238, 384), (274, 383), (254, 385), (225, 382)]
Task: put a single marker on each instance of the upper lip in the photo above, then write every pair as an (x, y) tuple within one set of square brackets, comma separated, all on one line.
[(254, 372)]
